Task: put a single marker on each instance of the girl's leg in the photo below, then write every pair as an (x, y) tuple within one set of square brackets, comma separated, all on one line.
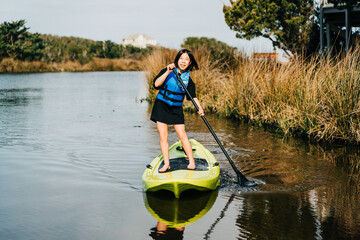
[(180, 131), (164, 144), (161, 227)]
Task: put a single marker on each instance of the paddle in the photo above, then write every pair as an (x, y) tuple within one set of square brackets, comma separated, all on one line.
[(242, 180)]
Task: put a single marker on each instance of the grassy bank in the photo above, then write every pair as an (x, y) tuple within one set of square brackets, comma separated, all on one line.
[(10, 65), (318, 98)]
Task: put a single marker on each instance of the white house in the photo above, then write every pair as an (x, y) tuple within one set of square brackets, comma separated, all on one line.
[(139, 40)]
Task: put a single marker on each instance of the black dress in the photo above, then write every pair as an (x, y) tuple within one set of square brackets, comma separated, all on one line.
[(164, 113)]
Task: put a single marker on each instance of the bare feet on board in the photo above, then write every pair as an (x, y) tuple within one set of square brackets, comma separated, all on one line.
[(164, 168), (191, 166)]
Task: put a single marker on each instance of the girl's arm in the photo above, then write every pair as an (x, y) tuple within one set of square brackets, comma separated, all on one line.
[(160, 80), (201, 110)]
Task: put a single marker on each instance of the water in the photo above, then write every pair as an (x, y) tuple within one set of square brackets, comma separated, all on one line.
[(73, 147)]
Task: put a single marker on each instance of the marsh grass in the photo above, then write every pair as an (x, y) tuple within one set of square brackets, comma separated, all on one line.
[(318, 97), (10, 65)]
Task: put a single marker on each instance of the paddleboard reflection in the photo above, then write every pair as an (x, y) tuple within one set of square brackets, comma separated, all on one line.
[(173, 214)]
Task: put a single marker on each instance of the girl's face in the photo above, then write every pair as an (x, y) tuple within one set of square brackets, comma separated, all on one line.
[(184, 61)]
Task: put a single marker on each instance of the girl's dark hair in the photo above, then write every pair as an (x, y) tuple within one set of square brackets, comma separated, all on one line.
[(193, 63)]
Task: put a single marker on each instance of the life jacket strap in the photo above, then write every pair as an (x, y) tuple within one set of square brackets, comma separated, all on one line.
[(171, 92), (167, 98)]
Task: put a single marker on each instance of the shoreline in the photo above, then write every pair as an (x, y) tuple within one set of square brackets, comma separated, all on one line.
[(9, 65)]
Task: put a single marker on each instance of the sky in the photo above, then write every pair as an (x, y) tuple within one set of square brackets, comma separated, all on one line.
[(168, 21)]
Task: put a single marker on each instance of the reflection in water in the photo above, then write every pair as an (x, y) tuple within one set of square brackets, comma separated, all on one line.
[(337, 205), (345, 158), (19, 97), (315, 214), (173, 214), (276, 216), (222, 214), (163, 231)]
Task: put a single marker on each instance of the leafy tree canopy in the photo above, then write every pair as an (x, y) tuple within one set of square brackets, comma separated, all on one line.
[(286, 23), (16, 42)]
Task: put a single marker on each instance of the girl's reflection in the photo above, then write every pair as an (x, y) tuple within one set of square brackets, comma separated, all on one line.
[(174, 213), (162, 231)]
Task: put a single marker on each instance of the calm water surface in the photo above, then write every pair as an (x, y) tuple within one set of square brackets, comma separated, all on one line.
[(73, 147)]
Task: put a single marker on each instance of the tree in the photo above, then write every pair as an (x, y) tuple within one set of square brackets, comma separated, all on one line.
[(32, 48), (11, 36), (96, 49), (16, 42), (112, 50), (286, 23)]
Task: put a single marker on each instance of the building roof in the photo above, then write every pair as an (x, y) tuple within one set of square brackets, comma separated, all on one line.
[(135, 36)]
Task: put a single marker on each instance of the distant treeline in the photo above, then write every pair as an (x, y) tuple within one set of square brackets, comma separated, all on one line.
[(19, 44), (58, 49), (22, 51)]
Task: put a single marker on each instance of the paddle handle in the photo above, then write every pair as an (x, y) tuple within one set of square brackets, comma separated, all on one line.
[(240, 177)]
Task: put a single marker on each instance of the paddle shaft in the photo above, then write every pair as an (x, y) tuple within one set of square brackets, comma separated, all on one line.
[(241, 178)]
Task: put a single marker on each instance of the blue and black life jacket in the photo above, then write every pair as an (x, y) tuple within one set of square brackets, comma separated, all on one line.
[(173, 92)]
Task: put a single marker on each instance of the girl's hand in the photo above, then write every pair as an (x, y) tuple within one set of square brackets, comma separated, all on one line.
[(201, 111), (171, 66)]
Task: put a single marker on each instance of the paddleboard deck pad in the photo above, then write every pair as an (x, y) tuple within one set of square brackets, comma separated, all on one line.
[(183, 162)]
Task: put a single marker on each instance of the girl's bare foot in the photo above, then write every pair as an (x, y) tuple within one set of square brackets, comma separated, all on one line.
[(191, 166), (164, 168)]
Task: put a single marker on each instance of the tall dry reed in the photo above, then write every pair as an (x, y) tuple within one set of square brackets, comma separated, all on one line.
[(318, 97), (10, 65)]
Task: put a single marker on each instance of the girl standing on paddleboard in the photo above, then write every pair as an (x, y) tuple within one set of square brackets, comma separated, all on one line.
[(167, 109)]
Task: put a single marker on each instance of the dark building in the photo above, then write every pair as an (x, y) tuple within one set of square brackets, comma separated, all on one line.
[(339, 21)]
